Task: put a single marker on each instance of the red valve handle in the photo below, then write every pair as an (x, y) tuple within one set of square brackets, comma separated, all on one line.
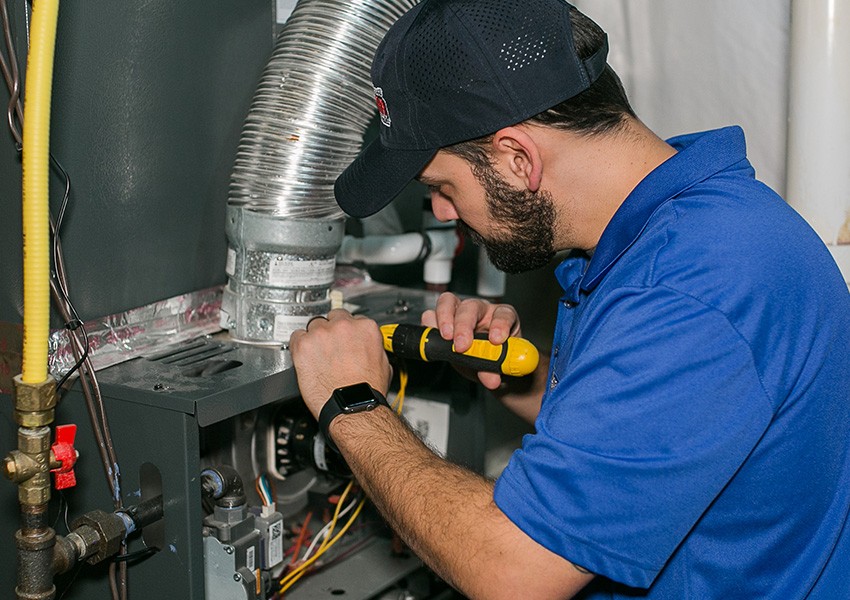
[(64, 452)]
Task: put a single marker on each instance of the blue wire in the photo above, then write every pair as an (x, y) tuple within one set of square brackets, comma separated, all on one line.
[(266, 489)]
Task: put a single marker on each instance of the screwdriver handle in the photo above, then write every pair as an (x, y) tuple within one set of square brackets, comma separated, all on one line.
[(515, 357)]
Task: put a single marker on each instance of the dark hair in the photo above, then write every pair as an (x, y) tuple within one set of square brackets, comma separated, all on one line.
[(601, 108)]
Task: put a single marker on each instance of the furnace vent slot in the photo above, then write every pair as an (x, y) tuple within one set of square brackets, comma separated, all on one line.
[(212, 367), (192, 353)]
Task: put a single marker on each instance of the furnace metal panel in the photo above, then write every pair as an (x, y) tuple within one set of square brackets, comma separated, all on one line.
[(149, 99)]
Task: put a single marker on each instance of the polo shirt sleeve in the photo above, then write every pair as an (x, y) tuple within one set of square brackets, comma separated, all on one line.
[(657, 405)]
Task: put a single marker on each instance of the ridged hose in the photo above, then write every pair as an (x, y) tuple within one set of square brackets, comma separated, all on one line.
[(36, 170)]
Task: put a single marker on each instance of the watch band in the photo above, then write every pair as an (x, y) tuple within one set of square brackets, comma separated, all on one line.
[(350, 399)]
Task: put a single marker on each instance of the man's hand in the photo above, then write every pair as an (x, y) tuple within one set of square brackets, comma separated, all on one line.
[(338, 351), (459, 320)]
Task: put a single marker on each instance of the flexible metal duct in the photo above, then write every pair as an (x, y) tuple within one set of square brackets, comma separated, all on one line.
[(305, 125)]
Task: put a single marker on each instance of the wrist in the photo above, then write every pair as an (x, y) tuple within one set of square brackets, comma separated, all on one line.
[(348, 401), (348, 427)]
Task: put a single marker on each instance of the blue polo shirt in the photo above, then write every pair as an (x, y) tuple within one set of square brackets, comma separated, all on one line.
[(695, 438)]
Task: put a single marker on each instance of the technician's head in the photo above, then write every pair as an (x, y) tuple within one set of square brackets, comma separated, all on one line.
[(451, 71)]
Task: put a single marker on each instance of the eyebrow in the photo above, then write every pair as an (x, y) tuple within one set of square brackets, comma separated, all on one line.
[(428, 180)]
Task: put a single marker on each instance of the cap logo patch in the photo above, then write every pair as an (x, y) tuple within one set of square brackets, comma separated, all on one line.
[(382, 107)]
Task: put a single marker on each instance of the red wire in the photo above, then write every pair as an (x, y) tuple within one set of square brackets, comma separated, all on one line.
[(301, 535)]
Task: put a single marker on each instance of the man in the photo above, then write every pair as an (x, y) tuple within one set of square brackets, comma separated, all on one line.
[(692, 439)]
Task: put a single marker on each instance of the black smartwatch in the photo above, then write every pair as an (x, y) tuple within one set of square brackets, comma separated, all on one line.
[(347, 400)]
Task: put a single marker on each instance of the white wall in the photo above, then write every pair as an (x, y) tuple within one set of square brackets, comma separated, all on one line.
[(692, 65)]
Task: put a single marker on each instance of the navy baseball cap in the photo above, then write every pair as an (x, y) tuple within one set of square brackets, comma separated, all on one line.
[(454, 70)]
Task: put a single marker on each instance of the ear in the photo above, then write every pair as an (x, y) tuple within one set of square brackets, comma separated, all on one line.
[(517, 151)]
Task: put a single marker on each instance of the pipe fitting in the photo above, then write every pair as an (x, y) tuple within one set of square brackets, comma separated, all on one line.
[(224, 485), (85, 541), (438, 264), (35, 564), (107, 533), (34, 441), (34, 402), (66, 553), (18, 467), (29, 466), (35, 491)]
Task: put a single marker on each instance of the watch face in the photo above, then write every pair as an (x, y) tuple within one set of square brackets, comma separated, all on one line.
[(355, 398)]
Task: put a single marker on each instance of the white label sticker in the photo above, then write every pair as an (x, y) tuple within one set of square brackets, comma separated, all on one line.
[(284, 325), (430, 420), (250, 560), (230, 265), (319, 445), (295, 273), (275, 545)]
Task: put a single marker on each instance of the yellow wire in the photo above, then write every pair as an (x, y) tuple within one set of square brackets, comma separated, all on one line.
[(398, 403), (302, 569), (325, 542)]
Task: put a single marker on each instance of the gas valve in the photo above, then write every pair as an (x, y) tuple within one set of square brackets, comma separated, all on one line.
[(65, 454)]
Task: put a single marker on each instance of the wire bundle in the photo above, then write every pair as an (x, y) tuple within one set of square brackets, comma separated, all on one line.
[(325, 536), (264, 490)]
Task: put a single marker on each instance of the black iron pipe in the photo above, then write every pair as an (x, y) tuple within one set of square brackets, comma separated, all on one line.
[(145, 513), (35, 541)]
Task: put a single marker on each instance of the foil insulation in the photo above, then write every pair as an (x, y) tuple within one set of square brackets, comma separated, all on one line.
[(140, 331), (306, 124)]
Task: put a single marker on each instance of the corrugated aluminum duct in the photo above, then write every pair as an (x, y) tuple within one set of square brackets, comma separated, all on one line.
[(305, 126)]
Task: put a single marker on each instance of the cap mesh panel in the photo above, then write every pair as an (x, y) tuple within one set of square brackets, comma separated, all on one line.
[(508, 26), (511, 28), (443, 68)]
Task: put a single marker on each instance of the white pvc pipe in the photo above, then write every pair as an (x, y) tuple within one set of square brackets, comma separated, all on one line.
[(438, 264), (436, 246), (819, 121), (381, 249)]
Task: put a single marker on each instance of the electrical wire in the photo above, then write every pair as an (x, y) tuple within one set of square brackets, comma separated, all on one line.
[(301, 570), (322, 535), (346, 552), (73, 322), (264, 491), (300, 540), (398, 403), (260, 491), (12, 76), (326, 530), (137, 555)]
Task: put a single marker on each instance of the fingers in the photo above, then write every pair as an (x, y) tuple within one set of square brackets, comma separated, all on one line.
[(458, 320), (444, 312), (504, 322), (491, 381)]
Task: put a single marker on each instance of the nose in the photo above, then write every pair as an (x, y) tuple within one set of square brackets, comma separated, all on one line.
[(442, 208)]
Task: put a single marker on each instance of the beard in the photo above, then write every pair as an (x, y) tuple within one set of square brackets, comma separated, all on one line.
[(523, 236)]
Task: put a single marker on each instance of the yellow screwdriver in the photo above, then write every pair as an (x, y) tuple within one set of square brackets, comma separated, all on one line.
[(515, 357)]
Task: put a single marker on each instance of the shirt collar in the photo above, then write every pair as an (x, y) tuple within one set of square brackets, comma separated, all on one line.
[(698, 157)]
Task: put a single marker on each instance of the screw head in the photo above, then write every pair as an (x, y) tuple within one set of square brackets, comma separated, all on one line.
[(237, 577), (228, 549)]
